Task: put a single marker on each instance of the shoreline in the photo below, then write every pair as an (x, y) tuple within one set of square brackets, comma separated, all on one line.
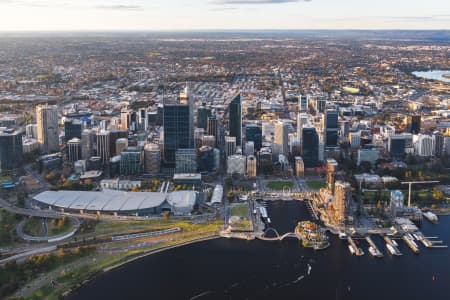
[(132, 259)]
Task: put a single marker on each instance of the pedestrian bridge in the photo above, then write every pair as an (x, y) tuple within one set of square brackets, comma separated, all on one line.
[(278, 236)]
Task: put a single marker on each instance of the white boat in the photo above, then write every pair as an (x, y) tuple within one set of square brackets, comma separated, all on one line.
[(372, 251), (394, 243), (342, 235), (350, 247), (268, 220), (390, 249), (431, 217)]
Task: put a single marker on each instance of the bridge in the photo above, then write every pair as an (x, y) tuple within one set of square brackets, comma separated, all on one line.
[(278, 236)]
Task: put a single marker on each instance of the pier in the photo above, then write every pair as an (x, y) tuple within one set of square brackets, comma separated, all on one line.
[(411, 244), (391, 246), (376, 251), (356, 250)]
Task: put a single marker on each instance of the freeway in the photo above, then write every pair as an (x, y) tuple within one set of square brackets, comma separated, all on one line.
[(24, 255)]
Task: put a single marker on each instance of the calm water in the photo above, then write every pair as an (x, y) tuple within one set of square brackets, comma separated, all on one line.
[(436, 75), (234, 269)]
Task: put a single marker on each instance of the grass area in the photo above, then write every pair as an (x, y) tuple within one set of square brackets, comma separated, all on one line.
[(33, 227), (280, 185), (8, 223), (240, 210), (316, 184)]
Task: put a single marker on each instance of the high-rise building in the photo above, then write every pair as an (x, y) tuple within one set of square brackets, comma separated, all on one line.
[(205, 159), (74, 149), (331, 127), (310, 147), (125, 119), (103, 146), (236, 164), (303, 103), (236, 118), (251, 166), (413, 124), (88, 139), (299, 167), (143, 119), (438, 140), (131, 162), (230, 145), (342, 198), (121, 145), (186, 161), (115, 135), (209, 140), (31, 131), (302, 120), (280, 145), (253, 133), (152, 159), (199, 133), (178, 127), (396, 146), (47, 128), (354, 138), (72, 129), (11, 151), (203, 113), (249, 148), (212, 125), (332, 166), (424, 145)]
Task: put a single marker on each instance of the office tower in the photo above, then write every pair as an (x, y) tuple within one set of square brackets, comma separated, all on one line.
[(332, 166), (345, 129), (299, 166), (280, 145), (253, 133), (88, 138), (413, 124), (212, 126), (235, 114), (303, 103), (206, 159), (438, 140), (131, 162), (199, 133), (249, 148), (310, 147), (121, 144), (103, 146), (114, 135), (302, 120), (178, 127), (31, 131), (342, 197), (368, 155), (230, 145), (209, 140), (11, 151), (125, 119), (186, 161), (424, 145), (354, 139), (203, 113), (47, 128), (319, 105), (143, 119), (236, 164), (251, 166), (396, 146), (72, 129), (331, 128), (152, 159), (74, 149)]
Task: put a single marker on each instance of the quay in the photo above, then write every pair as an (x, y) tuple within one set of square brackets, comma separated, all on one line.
[(391, 246), (375, 252)]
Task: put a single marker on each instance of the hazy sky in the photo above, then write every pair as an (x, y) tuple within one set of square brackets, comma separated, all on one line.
[(222, 14)]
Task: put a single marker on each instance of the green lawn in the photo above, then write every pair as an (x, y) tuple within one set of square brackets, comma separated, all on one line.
[(240, 210), (316, 184), (8, 223), (280, 185)]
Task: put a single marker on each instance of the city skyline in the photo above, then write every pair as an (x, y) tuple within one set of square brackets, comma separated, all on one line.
[(158, 15)]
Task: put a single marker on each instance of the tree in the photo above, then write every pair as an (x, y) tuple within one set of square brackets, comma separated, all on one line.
[(437, 193)]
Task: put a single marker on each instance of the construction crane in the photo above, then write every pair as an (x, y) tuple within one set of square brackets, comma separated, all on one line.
[(410, 183)]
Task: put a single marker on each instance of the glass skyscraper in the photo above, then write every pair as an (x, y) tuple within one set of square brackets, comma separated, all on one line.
[(331, 128), (236, 118), (253, 133), (310, 147)]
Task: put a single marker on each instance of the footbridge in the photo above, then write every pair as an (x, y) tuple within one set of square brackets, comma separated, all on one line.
[(278, 237)]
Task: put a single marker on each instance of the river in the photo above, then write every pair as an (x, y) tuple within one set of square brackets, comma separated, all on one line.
[(435, 75), (237, 269)]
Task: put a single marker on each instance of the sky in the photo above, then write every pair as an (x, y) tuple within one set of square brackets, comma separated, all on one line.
[(157, 15)]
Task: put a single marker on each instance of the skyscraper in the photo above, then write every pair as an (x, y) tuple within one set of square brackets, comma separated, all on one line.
[(280, 145), (413, 124), (332, 166), (11, 150), (203, 113), (212, 126), (178, 127), (72, 129), (253, 133), (342, 197), (152, 159), (303, 103), (186, 161), (87, 144), (310, 147), (331, 128), (74, 149), (47, 128), (131, 162), (103, 146), (236, 118), (438, 139)]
